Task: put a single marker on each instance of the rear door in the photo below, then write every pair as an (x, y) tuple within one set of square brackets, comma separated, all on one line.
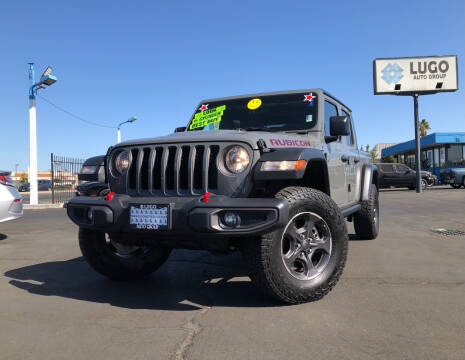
[(352, 163)]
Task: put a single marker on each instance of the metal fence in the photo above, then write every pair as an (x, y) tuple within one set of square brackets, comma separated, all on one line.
[(64, 177)]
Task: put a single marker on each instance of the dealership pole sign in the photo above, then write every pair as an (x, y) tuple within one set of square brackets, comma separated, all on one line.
[(415, 76), (420, 75)]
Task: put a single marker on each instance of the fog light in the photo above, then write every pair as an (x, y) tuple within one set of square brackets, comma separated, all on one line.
[(231, 219)]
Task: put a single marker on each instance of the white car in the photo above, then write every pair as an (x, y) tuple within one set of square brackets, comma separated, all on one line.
[(11, 203)]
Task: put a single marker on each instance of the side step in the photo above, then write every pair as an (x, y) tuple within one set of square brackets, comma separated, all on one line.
[(350, 210)]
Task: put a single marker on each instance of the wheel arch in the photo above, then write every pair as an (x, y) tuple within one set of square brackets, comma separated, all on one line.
[(314, 175)]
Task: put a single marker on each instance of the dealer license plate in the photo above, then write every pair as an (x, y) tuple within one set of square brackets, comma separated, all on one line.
[(149, 217)]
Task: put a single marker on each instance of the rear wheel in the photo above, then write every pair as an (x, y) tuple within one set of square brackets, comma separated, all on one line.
[(118, 261), (366, 220), (303, 261)]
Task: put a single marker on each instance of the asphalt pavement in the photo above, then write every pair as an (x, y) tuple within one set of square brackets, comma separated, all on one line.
[(401, 296)]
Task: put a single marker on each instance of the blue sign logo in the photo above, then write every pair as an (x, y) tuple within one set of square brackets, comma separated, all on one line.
[(392, 73)]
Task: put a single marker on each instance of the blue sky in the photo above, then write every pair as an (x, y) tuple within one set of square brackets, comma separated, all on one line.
[(157, 59)]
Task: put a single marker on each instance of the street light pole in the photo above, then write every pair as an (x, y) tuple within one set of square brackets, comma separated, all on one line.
[(130, 120), (45, 79), (34, 194)]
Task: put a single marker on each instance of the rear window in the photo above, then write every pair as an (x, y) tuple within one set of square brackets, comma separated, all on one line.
[(387, 168)]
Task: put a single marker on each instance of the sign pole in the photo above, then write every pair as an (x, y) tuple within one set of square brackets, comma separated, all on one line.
[(417, 144)]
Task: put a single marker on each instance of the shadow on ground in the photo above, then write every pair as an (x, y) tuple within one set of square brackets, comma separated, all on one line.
[(2, 236), (188, 281), (354, 237)]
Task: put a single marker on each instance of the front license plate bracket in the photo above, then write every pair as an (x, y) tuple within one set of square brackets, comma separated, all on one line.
[(150, 216)]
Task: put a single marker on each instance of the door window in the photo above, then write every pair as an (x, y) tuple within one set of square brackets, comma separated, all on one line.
[(349, 139), (402, 169), (330, 110)]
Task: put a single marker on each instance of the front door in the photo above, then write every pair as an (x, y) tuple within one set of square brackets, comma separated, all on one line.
[(336, 164)]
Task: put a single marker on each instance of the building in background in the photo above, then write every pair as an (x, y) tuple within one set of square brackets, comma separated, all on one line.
[(379, 147), (438, 151), (41, 175)]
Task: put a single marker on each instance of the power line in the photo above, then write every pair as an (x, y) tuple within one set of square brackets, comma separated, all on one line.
[(75, 116)]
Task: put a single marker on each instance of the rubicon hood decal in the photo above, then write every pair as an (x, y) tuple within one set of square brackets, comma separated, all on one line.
[(289, 143)]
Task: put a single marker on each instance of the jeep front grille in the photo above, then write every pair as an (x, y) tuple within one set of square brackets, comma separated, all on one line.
[(172, 170)]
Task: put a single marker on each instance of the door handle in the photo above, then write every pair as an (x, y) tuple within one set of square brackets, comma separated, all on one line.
[(344, 158)]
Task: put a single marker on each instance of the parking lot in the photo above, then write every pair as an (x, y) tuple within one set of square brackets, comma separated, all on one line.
[(401, 296)]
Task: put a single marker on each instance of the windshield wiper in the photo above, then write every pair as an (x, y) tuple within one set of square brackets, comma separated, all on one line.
[(300, 131), (258, 129)]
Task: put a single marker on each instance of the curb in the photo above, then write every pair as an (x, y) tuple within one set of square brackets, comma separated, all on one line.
[(42, 206)]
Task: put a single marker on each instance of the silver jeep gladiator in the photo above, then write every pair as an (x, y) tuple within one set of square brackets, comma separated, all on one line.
[(273, 175)]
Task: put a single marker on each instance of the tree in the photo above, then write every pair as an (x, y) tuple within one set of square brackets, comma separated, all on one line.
[(388, 159), (373, 155), (367, 148), (23, 179), (424, 126)]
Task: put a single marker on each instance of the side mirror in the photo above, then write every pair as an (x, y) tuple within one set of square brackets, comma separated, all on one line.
[(180, 129), (338, 126)]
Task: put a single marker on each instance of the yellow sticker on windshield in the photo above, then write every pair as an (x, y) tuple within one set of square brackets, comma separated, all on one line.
[(254, 104), (206, 117)]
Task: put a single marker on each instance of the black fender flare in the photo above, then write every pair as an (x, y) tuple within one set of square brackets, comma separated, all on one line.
[(99, 175), (369, 176)]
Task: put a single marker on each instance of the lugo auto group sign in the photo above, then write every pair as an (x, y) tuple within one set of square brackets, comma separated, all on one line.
[(427, 74)]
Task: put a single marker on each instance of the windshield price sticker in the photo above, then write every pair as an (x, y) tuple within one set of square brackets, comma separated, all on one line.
[(206, 117), (149, 216)]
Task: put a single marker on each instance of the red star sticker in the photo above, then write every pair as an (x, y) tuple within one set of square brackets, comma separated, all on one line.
[(203, 107), (309, 97)]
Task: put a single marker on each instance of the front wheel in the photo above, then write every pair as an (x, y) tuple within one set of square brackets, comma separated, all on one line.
[(303, 261), (118, 261)]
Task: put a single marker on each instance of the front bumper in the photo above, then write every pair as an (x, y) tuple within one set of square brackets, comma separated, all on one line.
[(189, 217)]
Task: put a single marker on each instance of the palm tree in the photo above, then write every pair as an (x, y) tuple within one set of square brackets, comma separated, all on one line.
[(424, 126)]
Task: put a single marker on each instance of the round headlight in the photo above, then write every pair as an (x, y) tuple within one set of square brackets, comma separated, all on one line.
[(122, 161), (236, 159)]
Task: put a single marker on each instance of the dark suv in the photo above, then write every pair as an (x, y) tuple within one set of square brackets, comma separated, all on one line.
[(400, 175)]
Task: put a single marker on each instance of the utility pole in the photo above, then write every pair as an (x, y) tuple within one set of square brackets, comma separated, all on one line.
[(34, 193)]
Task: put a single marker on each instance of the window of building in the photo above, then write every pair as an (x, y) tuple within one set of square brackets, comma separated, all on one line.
[(436, 157), (454, 155), (442, 156), (330, 110)]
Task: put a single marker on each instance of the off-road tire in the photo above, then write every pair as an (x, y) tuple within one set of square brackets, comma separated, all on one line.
[(263, 255), (102, 257), (366, 220)]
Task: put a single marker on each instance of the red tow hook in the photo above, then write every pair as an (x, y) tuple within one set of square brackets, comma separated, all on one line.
[(109, 196), (206, 197)]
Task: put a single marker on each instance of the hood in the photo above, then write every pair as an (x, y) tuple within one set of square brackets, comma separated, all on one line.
[(272, 139)]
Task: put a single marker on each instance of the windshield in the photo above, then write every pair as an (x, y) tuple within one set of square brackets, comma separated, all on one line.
[(288, 112)]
